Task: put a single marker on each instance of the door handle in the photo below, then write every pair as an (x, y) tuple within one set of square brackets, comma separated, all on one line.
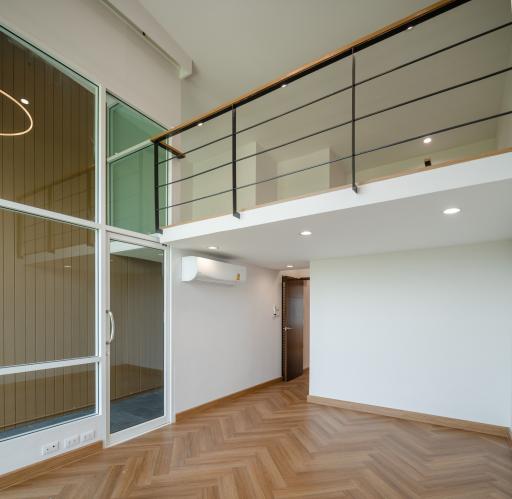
[(112, 327), (286, 328)]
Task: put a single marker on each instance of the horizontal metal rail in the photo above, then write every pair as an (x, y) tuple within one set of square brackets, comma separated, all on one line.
[(196, 199), (345, 123), (367, 151), (436, 52), (374, 38), (437, 92), (348, 87)]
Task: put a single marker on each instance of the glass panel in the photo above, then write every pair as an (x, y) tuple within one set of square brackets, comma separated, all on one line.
[(137, 351), (35, 400), (47, 290), (52, 166), (131, 169)]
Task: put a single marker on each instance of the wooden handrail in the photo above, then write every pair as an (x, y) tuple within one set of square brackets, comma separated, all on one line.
[(358, 44), (175, 151)]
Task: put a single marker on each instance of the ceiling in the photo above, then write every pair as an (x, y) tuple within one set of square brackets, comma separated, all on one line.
[(240, 44), (405, 224), (237, 45)]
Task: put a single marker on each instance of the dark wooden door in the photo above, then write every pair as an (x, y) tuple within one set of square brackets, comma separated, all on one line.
[(293, 321)]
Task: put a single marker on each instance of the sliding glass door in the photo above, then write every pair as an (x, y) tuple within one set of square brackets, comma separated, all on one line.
[(136, 343)]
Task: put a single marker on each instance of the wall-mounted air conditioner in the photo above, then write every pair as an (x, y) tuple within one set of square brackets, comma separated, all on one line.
[(196, 268)]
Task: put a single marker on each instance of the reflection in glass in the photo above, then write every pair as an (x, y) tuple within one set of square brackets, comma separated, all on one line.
[(52, 166), (131, 169), (47, 290), (35, 400), (137, 351)]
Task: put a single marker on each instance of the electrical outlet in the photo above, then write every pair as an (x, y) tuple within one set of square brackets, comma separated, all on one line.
[(71, 441), (87, 436), (51, 447)]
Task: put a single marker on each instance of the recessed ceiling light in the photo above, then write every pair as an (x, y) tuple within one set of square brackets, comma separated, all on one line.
[(451, 211), (409, 28), (67, 266), (427, 140), (200, 123), (284, 85), (289, 266), (306, 233), (24, 101), (213, 247)]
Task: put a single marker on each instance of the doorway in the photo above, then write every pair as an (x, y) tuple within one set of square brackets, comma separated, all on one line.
[(295, 326), (136, 342)]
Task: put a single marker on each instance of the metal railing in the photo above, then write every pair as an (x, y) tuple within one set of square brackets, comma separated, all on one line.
[(349, 52)]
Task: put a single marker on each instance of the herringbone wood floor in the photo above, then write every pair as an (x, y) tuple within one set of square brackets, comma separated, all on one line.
[(272, 443)]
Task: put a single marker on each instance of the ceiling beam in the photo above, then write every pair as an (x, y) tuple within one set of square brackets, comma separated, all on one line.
[(133, 13)]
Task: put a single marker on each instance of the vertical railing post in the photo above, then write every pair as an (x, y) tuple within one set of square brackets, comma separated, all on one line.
[(354, 185), (233, 162), (157, 187)]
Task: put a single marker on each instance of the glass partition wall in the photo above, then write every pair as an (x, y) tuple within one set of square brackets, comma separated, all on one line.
[(131, 180), (76, 239), (48, 350)]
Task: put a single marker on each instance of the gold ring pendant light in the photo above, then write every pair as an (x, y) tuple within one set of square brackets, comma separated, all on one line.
[(31, 121)]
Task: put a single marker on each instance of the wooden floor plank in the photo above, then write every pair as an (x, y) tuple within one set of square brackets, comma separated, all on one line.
[(271, 443)]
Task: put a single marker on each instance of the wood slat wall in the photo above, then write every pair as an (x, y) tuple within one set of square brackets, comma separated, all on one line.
[(136, 355), (52, 166), (46, 268), (47, 293)]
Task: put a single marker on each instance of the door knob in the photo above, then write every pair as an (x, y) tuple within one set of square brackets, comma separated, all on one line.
[(286, 328)]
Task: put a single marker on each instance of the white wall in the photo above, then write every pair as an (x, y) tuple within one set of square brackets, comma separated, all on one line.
[(504, 132), (315, 180), (427, 331), (90, 38), (225, 338)]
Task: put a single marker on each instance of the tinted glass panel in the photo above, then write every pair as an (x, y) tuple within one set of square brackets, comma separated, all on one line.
[(35, 400), (46, 290), (52, 165), (130, 161), (137, 351)]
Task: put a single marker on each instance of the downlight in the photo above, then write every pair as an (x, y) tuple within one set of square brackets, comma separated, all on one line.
[(306, 233), (451, 211)]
